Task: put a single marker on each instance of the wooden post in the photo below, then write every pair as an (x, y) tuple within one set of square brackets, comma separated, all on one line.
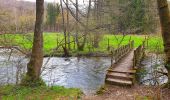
[(132, 45), (108, 44), (57, 41), (112, 54), (74, 43), (134, 59), (143, 44)]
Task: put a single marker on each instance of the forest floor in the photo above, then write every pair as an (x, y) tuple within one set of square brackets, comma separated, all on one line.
[(136, 92)]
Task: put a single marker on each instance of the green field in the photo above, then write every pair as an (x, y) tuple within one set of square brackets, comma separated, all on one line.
[(10, 92), (154, 44)]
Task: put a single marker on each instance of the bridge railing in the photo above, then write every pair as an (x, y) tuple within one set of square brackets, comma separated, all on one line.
[(138, 55), (121, 52)]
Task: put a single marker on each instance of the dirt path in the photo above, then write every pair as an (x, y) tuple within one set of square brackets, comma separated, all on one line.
[(134, 93)]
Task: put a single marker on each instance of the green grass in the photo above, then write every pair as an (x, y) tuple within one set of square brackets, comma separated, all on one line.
[(10, 92), (155, 43)]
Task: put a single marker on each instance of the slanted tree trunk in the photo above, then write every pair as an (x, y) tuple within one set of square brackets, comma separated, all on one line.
[(165, 26), (35, 63)]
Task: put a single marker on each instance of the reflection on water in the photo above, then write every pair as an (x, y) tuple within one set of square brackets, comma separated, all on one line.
[(88, 74)]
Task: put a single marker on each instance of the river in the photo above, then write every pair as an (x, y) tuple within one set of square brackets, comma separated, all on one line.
[(87, 74)]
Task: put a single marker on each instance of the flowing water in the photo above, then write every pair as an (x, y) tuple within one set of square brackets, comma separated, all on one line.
[(88, 74), (151, 66)]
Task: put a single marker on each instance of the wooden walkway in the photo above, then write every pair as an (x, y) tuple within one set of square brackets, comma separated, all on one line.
[(123, 72)]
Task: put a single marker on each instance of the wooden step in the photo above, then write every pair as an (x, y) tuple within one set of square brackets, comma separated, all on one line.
[(118, 81), (135, 67), (129, 71), (119, 76)]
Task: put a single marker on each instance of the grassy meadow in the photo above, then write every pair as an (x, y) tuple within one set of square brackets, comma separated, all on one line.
[(52, 40)]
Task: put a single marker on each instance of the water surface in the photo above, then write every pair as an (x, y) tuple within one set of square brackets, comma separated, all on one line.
[(88, 74)]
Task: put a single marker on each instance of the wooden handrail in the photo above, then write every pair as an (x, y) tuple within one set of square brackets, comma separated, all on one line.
[(138, 54), (120, 52)]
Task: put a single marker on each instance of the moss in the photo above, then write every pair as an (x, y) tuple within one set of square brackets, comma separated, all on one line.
[(26, 81), (141, 72), (144, 98), (101, 90)]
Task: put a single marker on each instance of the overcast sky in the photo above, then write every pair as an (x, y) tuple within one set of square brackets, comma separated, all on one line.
[(44, 0), (80, 1), (56, 0)]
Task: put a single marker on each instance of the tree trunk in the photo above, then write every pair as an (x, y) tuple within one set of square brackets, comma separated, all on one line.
[(165, 27), (68, 29), (81, 45), (66, 53), (35, 63)]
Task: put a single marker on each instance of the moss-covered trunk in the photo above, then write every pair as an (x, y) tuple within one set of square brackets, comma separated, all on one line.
[(35, 63), (165, 26)]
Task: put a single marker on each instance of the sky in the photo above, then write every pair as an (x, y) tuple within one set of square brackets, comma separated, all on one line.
[(45, 0), (54, 0), (80, 1)]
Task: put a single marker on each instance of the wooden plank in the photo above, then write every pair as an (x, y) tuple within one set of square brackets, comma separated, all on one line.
[(129, 71), (124, 76), (119, 81)]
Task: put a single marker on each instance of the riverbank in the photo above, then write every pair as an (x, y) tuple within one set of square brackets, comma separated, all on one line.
[(53, 43), (81, 54), (10, 92), (136, 92), (110, 92)]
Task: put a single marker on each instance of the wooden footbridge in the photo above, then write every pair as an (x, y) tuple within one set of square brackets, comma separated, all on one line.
[(125, 61)]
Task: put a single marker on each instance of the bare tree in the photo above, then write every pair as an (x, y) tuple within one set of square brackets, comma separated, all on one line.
[(68, 29), (66, 53)]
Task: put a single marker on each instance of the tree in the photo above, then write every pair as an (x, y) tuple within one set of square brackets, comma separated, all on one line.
[(135, 17), (68, 29), (35, 63), (81, 42), (165, 28), (66, 53), (53, 11)]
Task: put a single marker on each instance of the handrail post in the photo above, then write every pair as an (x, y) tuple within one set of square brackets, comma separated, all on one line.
[(134, 59), (143, 44), (132, 44), (112, 58)]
